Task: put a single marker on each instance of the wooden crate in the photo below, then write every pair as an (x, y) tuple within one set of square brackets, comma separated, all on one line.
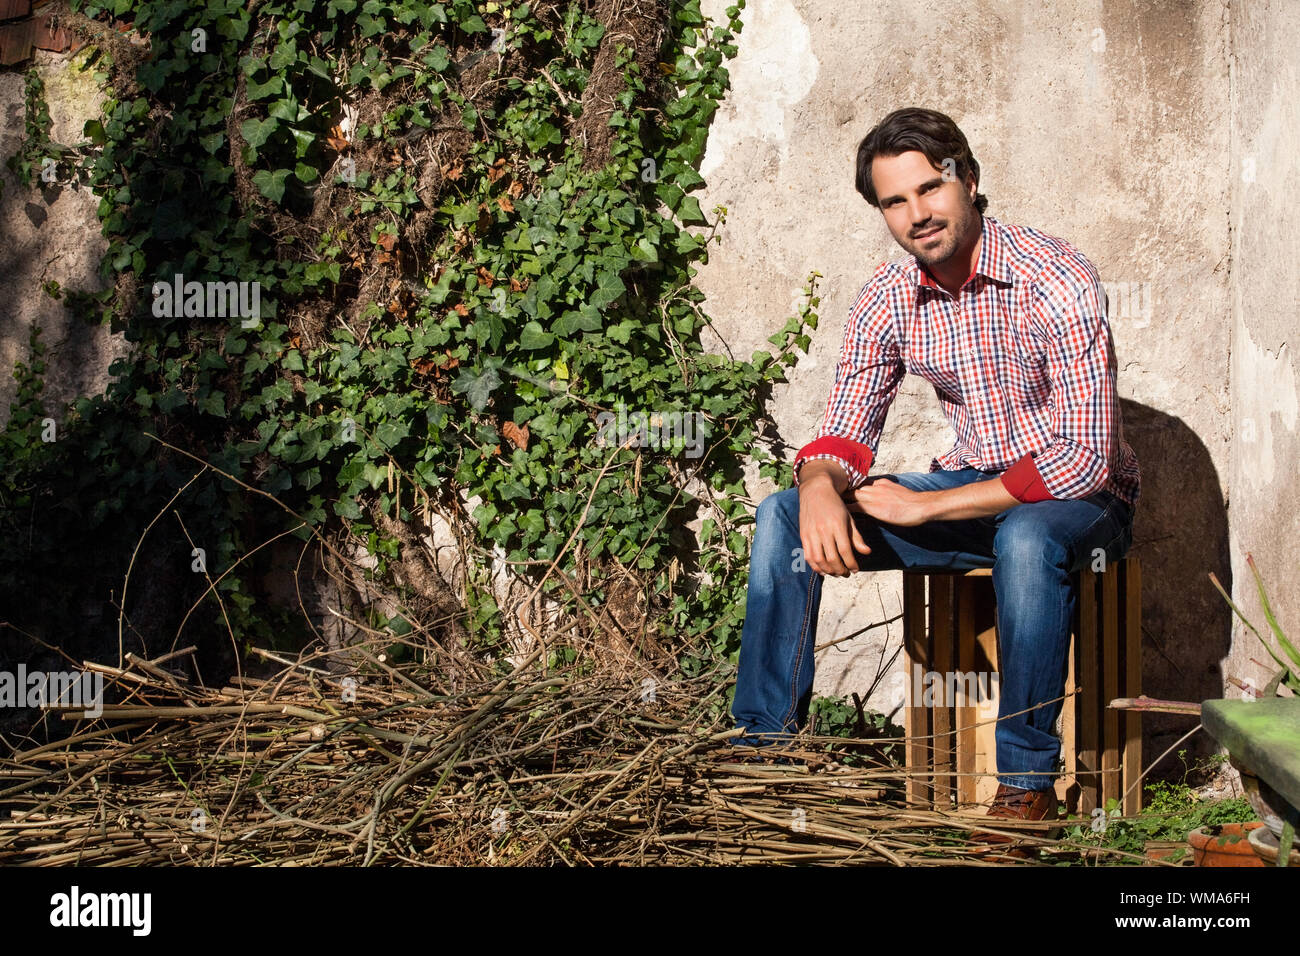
[(951, 743)]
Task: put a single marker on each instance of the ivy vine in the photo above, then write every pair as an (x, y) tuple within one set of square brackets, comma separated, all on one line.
[(450, 295)]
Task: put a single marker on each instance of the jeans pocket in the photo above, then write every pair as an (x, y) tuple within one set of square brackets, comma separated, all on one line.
[(1118, 546), (1109, 535)]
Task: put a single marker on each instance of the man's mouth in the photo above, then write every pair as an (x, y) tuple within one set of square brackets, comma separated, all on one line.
[(932, 232)]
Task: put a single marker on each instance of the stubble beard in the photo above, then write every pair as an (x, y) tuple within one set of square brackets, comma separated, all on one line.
[(947, 245)]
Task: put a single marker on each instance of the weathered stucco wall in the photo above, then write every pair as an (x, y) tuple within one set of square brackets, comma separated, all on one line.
[(1265, 317), (51, 234), (1103, 123)]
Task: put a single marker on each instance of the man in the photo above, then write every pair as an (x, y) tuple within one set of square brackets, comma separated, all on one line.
[(1009, 325)]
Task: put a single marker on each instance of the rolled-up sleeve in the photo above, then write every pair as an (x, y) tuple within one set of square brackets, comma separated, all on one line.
[(867, 378), (1070, 311)]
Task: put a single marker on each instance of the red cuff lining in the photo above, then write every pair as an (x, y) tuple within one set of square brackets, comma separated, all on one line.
[(1024, 482), (856, 454)]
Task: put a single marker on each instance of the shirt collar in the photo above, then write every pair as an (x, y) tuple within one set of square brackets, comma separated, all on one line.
[(992, 259)]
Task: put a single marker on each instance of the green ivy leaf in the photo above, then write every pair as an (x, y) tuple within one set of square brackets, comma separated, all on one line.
[(260, 91), (608, 289), (690, 213), (390, 433), (371, 26), (437, 59), (534, 336), (284, 109), (94, 131), (347, 508), (477, 387), (285, 55), (256, 131), (271, 184)]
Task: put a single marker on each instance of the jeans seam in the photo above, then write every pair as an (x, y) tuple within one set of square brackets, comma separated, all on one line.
[(1020, 779), (798, 657)]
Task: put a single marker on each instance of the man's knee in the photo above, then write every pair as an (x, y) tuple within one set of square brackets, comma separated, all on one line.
[(780, 506), (1028, 539), (776, 525)]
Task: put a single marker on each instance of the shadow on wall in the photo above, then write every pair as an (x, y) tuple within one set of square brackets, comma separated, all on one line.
[(1180, 533)]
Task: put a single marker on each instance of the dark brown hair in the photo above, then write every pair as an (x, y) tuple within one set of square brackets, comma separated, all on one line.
[(927, 131)]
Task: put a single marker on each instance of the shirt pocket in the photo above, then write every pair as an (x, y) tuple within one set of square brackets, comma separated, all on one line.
[(1023, 375)]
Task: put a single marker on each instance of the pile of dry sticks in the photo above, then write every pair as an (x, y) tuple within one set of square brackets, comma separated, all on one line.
[(386, 767)]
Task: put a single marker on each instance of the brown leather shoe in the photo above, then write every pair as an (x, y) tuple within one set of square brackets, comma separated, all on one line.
[(1013, 803)]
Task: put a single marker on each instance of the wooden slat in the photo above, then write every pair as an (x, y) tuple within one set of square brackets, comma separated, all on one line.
[(1088, 677), (1132, 684), (987, 654), (1110, 782), (942, 587), (916, 653), (966, 714), (1069, 722), (986, 737)]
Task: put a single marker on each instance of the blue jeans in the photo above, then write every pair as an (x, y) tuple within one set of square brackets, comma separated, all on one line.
[(1032, 548)]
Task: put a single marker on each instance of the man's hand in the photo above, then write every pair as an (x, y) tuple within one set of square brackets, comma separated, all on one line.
[(890, 502), (826, 528)]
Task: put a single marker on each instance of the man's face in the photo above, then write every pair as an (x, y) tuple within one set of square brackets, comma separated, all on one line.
[(928, 215)]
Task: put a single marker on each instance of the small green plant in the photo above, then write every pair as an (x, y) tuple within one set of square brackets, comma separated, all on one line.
[(833, 716), (21, 436), (26, 163), (38, 156), (845, 717), (1172, 811), (1290, 673)]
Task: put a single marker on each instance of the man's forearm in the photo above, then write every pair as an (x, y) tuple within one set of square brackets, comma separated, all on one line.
[(979, 499)]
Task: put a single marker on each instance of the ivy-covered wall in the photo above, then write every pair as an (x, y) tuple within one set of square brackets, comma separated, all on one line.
[(381, 266)]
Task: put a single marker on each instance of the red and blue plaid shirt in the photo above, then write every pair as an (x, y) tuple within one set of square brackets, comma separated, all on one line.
[(1022, 362)]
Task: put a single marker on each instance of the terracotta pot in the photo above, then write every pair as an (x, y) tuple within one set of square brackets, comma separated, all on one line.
[(1224, 844)]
